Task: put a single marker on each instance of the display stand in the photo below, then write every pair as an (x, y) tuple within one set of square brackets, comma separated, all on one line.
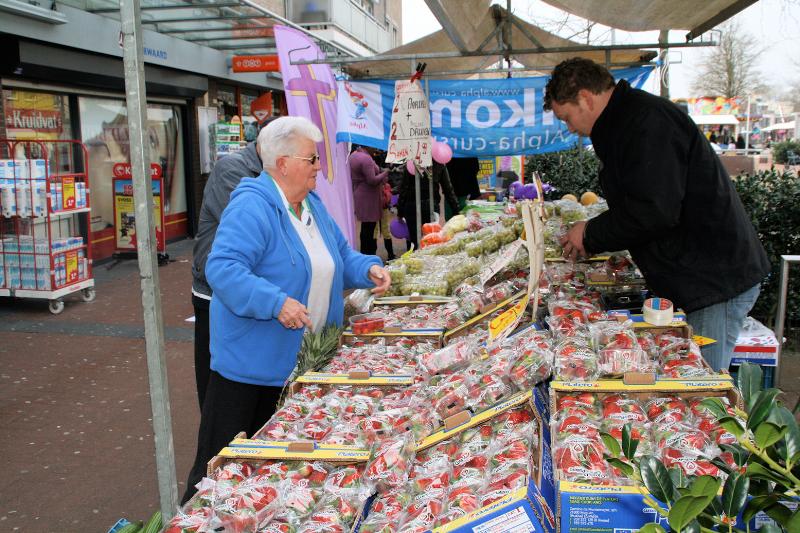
[(45, 249)]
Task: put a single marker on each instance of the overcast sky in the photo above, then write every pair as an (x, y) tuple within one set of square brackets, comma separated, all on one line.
[(774, 23)]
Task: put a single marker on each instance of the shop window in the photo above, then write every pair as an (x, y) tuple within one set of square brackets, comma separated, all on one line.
[(104, 128), (227, 102), (249, 123)]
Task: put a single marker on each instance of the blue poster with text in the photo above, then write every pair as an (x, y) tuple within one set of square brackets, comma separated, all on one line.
[(480, 118)]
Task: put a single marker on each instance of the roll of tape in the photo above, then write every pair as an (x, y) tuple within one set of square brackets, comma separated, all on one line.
[(657, 311)]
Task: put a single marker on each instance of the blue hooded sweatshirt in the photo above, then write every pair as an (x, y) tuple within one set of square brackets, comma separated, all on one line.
[(256, 262)]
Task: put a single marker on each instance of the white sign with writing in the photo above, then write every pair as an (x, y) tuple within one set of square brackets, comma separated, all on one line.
[(410, 129)]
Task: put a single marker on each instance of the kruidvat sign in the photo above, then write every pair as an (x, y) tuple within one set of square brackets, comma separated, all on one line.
[(480, 118)]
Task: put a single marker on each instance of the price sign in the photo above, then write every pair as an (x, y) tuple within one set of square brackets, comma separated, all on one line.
[(72, 266), (504, 324), (68, 194), (410, 130)]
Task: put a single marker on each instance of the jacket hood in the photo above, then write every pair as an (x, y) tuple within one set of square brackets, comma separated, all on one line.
[(265, 186)]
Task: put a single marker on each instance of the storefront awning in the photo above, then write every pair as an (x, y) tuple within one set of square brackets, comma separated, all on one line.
[(723, 120), (780, 126)]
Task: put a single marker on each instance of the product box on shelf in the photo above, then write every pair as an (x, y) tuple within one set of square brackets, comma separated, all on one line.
[(482, 319), (241, 448), (432, 335), (525, 508), (609, 507)]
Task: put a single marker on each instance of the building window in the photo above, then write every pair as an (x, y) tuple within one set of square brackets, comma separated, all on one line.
[(104, 128)]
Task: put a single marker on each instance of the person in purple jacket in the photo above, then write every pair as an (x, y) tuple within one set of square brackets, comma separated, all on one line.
[(368, 183)]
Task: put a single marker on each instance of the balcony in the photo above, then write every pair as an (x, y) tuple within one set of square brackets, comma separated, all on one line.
[(345, 23)]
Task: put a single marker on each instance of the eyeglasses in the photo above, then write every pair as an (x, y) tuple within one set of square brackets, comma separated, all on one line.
[(312, 159)]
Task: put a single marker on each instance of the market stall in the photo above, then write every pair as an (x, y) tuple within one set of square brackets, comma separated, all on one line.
[(476, 408)]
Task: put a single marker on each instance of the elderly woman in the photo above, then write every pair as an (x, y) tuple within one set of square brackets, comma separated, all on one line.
[(278, 265)]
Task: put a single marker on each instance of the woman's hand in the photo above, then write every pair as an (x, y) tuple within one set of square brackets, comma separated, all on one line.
[(294, 315), (381, 278)]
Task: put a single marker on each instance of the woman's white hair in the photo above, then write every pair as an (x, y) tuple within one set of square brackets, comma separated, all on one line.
[(282, 136)]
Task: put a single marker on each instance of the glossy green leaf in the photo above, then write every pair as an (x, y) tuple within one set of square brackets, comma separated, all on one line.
[(652, 528), (629, 444), (759, 471), (770, 528), (734, 493), (767, 434), (626, 468), (793, 525), (756, 504), (789, 446), (779, 512), (732, 425), (692, 527), (749, 379), (763, 404), (612, 445), (722, 465), (685, 510), (715, 407), (679, 479), (707, 486), (656, 479)]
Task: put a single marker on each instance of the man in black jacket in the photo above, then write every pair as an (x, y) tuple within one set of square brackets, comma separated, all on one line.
[(671, 202), (225, 176)]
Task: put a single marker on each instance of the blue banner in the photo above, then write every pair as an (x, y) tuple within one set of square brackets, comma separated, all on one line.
[(481, 118)]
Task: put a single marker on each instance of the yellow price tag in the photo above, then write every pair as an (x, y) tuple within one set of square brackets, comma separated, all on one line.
[(702, 341), (508, 319)]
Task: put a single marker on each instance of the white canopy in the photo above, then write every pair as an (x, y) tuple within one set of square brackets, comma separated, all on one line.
[(780, 126), (643, 15), (707, 120)]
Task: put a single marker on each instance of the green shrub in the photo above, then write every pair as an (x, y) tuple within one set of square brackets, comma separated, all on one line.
[(779, 150), (572, 171), (770, 198)]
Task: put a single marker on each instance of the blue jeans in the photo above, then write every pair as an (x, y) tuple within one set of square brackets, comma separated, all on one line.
[(722, 322)]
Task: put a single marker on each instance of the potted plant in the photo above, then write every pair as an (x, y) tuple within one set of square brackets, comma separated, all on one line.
[(766, 476)]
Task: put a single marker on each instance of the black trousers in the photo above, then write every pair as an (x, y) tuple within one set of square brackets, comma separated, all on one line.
[(229, 407), (202, 354), (369, 244)]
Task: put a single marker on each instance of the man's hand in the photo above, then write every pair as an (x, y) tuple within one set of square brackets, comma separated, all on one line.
[(381, 278), (572, 242), (294, 315)]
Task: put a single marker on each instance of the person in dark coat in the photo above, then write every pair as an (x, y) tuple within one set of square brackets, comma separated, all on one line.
[(407, 202), (463, 173), (368, 183), (225, 176), (671, 202)]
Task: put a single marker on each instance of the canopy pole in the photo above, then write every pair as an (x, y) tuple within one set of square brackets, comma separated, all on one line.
[(663, 39), (136, 103)]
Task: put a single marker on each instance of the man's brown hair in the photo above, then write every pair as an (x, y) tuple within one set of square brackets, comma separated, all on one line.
[(572, 75)]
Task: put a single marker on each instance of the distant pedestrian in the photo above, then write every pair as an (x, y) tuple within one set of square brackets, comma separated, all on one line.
[(368, 183)]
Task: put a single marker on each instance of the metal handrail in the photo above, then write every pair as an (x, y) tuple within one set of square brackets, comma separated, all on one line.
[(780, 317)]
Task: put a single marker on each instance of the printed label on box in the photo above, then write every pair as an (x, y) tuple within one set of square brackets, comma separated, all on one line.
[(68, 193), (514, 521), (72, 266)]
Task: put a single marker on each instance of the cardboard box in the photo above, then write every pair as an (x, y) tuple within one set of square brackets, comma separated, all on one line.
[(482, 319), (611, 509), (760, 350), (242, 449), (530, 508), (433, 336)]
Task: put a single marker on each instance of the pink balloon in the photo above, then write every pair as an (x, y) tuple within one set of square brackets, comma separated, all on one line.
[(441, 152), (410, 167)]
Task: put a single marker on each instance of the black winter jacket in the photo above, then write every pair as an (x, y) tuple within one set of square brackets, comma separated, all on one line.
[(225, 176), (671, 204)]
